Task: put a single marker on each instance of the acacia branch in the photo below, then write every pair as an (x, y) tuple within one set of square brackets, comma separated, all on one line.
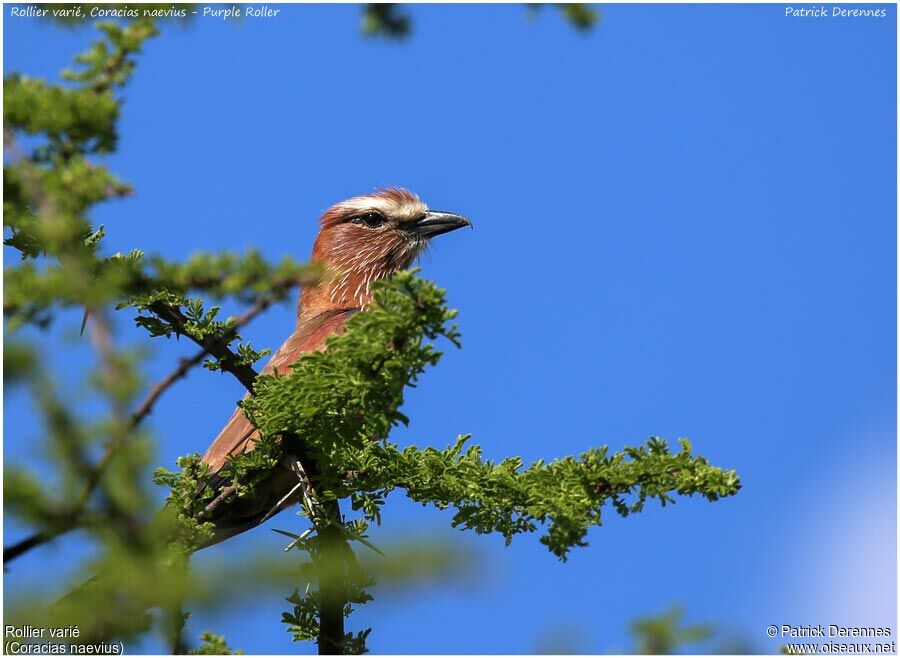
[(216, 346), (10, 553), (186, 364), (331, 583), (220, 498)]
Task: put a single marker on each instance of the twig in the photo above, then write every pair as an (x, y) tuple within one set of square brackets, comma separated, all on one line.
[(186, 364), (220, 498), (10, 553), (309, 494), (332, 588), (277, 506), (215, 346)]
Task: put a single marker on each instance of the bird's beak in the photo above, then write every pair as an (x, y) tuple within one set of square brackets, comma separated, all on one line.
[(435, 223)]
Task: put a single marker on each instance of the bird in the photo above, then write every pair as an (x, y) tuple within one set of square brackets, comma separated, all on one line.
[(361, 240)]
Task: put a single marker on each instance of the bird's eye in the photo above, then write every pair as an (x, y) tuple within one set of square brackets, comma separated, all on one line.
[(370, 219)]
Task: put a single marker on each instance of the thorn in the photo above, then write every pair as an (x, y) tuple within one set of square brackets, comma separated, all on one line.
[(365, 542), (277, 507), (297, 538), (292, 535)]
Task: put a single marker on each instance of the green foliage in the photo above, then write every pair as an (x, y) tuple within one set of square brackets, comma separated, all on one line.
[(666, 634), (80, 120), (19, 361), (389, 20), (247, 470), (169, 313), (33, 293), (565, 495), (75, 14), (187, 502), (76, 117), (352, 392), (214, 645), (245, 278), (583, 17), (663, 634)]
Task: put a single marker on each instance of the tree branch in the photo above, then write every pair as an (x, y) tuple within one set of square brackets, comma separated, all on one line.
[(10, 553), (214, 345), (186, 364), (332, 590), (220, 498)]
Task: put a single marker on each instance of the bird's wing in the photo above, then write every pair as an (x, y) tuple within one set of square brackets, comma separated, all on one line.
[(238, 434)]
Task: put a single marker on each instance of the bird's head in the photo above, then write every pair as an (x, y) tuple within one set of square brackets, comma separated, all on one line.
[(368, 238)]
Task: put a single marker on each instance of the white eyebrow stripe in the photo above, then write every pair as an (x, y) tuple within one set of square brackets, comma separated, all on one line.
[(389, 207)]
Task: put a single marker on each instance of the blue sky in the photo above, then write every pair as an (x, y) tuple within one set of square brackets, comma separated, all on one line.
[(685, 226)]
